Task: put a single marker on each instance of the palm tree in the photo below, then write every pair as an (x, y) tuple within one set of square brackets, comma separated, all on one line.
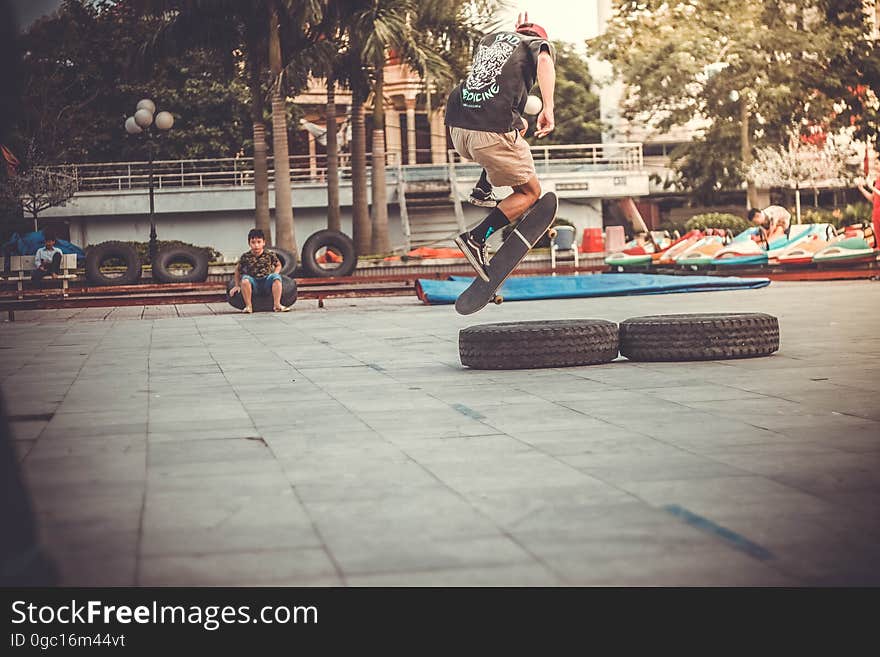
[(331, 58), (284, 230), (435, 38), (361, 228), (341, 63), (221, 25), (257, 47)]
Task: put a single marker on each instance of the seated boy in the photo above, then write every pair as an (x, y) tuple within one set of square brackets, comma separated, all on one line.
[(47, 260), (258, 272)]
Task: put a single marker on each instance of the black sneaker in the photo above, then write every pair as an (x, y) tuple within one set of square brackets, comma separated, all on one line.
[(475, 253), (482, 198)]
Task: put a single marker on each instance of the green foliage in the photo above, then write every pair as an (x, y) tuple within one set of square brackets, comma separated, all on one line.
[(576, 108), (717, 220), (790, 64), (821, 216), (852, 214), (709, 163), (143, 249), (80, 82)]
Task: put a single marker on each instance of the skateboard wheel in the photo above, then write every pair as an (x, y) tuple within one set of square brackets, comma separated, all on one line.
[(497, 300)]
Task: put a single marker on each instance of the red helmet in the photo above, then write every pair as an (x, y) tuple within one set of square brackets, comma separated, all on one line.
[(532, 29)]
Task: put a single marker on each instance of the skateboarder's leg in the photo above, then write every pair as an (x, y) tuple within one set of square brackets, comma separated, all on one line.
[(507, 161), (524, 197), (481, 195)]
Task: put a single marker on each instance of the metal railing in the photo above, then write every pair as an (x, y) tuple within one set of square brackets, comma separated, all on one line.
[(305, 169)]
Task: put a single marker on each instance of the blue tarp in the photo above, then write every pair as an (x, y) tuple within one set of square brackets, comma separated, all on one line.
[(30, 242), (522, 288)]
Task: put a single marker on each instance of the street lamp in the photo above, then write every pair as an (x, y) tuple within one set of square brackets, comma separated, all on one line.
[(144, 122)]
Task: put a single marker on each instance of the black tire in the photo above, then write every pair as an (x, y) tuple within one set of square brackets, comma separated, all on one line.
[(715, 336), (264, 302), (528, 345), (100, 253), (167, 256), (287, 258), (333, 240)]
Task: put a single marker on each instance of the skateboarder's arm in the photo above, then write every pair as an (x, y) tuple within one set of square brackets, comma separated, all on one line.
[(547, 83)]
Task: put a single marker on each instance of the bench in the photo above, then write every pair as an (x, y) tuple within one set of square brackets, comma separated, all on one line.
[(20, 268)]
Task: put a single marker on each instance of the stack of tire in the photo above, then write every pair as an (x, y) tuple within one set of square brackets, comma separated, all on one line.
[(129, 272), (567, 343), (99, 254)]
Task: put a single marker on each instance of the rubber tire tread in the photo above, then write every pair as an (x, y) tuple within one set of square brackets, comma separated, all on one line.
[(287, 258), (712, 336), (264, 303), (122, 250), (197, 257), (537, 344), (323, 238)]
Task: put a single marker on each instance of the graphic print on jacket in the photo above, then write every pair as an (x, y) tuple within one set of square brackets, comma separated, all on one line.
[(493, 96), (486, 70)]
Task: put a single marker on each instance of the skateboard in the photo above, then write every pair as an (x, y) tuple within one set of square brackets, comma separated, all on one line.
[(520, 241)]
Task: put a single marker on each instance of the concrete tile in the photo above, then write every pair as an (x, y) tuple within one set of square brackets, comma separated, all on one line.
[(529, 574), (652, 463), (282, 567), (367, 554), (247, 511), (362, 425), (222, 538), (83, 569), (513, 472)]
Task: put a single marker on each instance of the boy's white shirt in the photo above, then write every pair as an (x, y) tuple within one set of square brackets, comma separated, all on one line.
[(45, 255)]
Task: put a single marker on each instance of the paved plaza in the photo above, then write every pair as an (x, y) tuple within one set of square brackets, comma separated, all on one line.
[(192, 445)]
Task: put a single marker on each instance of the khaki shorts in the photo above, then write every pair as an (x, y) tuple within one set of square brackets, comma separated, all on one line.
[(506, 157)]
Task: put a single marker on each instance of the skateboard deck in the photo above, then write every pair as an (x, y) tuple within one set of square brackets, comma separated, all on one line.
[(518, 243)]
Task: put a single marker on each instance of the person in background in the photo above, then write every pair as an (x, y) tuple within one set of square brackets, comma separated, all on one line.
[(47, 260), (872, 195), (773, 221)]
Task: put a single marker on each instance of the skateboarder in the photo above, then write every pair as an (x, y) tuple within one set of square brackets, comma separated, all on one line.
[(485, 114)]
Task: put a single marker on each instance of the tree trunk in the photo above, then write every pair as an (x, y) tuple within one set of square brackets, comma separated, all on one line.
[(361, 228), (746, 153), (333, 220), (381, 242), (261, 158), (283, 205)]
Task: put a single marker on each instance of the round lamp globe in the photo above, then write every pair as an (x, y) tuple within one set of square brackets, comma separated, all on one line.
[(131, 127), (147, 104), (164, 120), (143, 117)]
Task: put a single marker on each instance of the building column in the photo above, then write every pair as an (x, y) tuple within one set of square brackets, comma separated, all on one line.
[(78, 232), (313, 158), (411, 129), (393, 141), (438, 136)]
